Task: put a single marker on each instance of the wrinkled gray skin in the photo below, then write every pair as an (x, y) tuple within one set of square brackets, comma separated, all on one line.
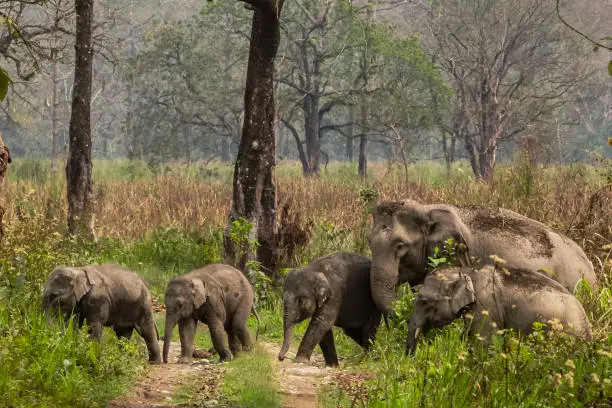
[(404, 235), (104, 295), (219, 296), (512, 299), (332, 291)]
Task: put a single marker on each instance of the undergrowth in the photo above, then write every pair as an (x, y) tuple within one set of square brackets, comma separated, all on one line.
[(165, 220), (251, 381)]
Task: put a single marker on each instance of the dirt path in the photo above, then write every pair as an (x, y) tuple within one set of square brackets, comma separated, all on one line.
[(299, 382), (158, 386)]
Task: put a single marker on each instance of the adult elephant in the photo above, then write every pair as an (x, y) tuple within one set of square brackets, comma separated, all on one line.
[(404, 234)]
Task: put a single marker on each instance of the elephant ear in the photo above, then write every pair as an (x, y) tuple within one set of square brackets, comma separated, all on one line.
[(324, 292), (81, 283), (462, 294), (444, 224), (198, 291)]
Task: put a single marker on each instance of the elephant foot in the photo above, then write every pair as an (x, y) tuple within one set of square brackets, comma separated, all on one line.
[(155, 362), (185, 360), (332, 364), (226, 357), (302, 359)]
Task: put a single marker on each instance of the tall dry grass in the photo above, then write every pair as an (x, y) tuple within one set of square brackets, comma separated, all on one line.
[(129, 208)]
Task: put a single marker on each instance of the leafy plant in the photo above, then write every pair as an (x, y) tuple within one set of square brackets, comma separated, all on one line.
[(445, 256)]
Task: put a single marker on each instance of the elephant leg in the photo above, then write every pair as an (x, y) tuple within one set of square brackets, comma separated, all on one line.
[(368, 332), (319, 325), (234, 342), (187, 331), (329, 349), (354, 333), (124, 332), (240, 329), (220, 340), (146, 329)]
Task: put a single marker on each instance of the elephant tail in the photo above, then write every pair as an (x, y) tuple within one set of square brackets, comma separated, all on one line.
[(156, 330), (258, 321)]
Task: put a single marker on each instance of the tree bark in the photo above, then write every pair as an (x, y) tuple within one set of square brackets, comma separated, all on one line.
[(254, 192), (349, 136), (226, 155), (299, 145), (5, 159), (363, 141), (79, 166), (311, 132), (54, 108)]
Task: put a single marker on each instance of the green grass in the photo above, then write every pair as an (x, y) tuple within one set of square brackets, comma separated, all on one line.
[(543, 369), (44, 365), (251, 381)]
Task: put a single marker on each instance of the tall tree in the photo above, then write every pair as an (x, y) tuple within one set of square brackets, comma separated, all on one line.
[(321, 38), (254, 192), (79, 166), (504, 62)]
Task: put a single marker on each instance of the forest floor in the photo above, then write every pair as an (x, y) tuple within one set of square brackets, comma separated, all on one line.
[(299, 382), (162, 385), (198, 383)]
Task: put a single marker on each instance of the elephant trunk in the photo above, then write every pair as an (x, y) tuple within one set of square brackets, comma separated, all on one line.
[(288, 332), (288, 321), (383, 280), (415, 329), (170, 323)]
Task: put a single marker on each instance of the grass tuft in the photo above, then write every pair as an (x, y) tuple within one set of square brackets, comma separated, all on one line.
[(251, 381)]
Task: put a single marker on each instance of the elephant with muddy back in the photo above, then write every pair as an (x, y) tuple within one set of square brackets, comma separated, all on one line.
[(104, 295), (217, 295), (404, 234), (331, 291), (494, 297)]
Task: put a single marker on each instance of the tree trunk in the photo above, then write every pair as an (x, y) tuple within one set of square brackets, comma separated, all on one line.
[(349, 149), (311, 133), (54, 108), (349, 135), (5, 159), (470, 147), (363, 141), (254, 192), (299, 145), (79, 166), (226, 155)]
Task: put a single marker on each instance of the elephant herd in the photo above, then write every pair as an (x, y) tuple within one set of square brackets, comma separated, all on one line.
[(510, 271)]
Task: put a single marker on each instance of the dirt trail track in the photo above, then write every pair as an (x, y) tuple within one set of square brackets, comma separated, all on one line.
[(156, 388), (298, 382)]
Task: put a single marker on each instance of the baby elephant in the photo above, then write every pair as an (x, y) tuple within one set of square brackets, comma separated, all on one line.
[(510, 298), (332, 291), (219, 296), (104, 295)]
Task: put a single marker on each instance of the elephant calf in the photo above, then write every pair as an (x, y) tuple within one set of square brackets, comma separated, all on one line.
[(332, 291), (511, 298), (219, 296), (104, 295)]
